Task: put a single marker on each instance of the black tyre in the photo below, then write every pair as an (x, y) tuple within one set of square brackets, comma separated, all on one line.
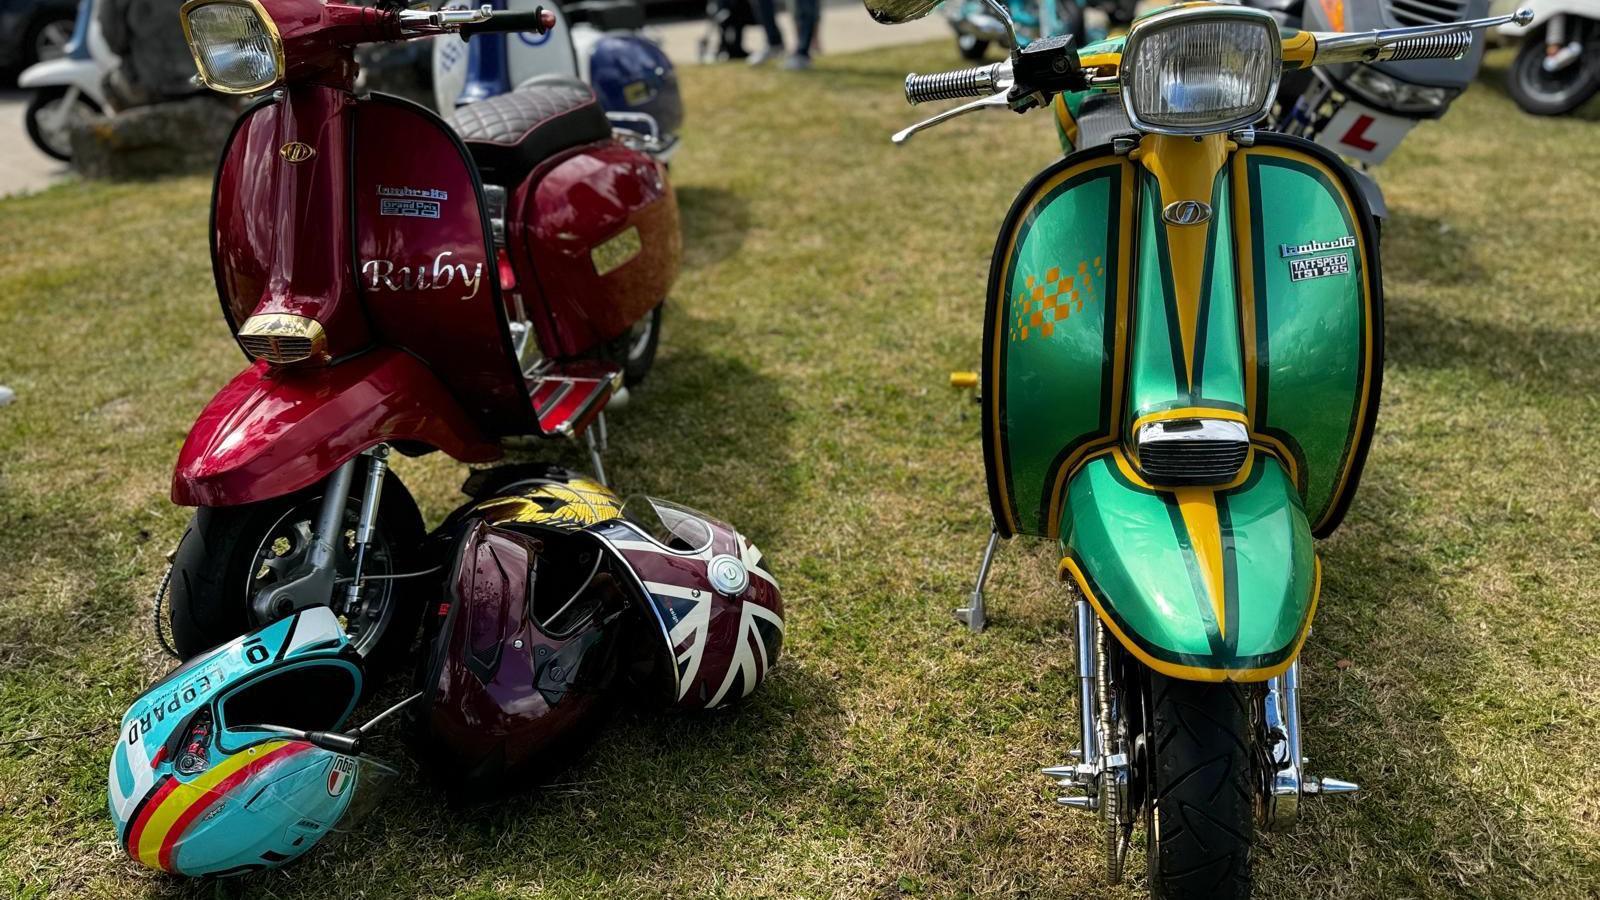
[(53, 137), (971, 49), (1544, 93), (1202, 810), (636, 349), (229, 554)]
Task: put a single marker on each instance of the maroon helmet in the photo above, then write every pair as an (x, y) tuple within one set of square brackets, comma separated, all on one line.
[(522, 656), (711, 615)]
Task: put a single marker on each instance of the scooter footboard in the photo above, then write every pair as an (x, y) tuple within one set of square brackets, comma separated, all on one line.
[(1214, 583)]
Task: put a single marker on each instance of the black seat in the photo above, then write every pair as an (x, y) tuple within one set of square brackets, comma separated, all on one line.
[(510, 134)]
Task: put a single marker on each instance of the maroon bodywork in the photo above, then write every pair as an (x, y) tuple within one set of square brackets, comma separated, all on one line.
[(417, 342), (573, 203), (504, 701), (273, 431)]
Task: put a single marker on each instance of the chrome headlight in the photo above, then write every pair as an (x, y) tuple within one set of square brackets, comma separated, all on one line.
[(1200, 69), (235, 44)]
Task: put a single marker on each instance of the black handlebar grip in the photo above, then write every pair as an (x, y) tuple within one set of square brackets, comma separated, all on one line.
[(1439, 46), (537, 22), (975, 82)]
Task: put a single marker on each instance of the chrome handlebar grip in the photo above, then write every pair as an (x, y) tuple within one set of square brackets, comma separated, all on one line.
[(1443, 41), (1439, 46), (980, 81)]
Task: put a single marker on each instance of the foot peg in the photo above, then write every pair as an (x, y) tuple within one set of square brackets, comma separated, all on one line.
[(1315, 785)]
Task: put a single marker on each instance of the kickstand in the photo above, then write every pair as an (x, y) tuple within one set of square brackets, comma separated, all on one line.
[(972, 614)]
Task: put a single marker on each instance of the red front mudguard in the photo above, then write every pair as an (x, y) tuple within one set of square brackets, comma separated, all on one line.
[(273, 431)]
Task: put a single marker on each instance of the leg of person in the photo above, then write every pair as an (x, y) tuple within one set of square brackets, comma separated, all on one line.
[(766, 12), (807, 13)]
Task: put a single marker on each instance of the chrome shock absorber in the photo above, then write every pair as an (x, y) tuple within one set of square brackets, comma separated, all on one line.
[(371, 496)]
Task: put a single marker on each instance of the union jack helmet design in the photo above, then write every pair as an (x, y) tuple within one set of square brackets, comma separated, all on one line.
[(712, 614)]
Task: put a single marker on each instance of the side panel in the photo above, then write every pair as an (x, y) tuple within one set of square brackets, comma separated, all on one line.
[(1199, 583), (597, 230), (426, 270), (1311, 311), (1053, 335), (274, 431)]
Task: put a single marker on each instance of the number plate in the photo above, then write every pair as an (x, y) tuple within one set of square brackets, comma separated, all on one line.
[(1363, 133)]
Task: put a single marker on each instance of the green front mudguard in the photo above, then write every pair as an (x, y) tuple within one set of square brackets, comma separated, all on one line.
[(1198, 584)]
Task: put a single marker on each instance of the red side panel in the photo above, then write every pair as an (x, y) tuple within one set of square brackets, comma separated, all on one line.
[(600, 226), (280, 236), (274, 431), (426, 271)]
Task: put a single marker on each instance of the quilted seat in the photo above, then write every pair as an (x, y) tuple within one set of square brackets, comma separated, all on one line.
[(510, 134)]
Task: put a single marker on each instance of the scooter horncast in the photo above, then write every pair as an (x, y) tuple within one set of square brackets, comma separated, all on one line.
[(390, 299), (1182, 358)]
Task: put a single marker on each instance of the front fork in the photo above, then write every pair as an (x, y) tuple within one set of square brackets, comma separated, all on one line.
[(317, 585)]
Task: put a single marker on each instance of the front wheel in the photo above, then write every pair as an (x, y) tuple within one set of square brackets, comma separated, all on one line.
[(1556, 93), (50, 117), (1201, 814), (230, 554)]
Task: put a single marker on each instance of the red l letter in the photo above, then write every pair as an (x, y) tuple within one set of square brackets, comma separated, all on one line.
[(1357, 135)]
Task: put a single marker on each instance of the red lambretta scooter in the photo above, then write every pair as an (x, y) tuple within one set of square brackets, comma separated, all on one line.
[(390, 298)]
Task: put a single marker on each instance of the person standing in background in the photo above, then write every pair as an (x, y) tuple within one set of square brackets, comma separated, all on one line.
[(807, 15)]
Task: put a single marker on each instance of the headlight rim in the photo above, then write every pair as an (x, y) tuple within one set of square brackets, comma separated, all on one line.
[(280, 59), (1189, 15)]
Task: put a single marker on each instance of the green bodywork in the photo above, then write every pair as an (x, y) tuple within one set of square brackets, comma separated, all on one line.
[(1131, 544), (1300, 359)]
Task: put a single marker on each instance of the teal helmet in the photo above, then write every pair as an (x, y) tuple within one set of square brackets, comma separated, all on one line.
[(215, 771)]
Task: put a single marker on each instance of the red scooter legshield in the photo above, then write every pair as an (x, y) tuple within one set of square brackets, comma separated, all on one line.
[(712, 615), (523, 653)]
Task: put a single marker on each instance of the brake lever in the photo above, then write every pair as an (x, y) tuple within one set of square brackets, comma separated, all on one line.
[(999, 101)]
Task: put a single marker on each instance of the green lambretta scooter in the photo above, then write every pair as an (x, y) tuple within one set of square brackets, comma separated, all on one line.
[(1182, 355)]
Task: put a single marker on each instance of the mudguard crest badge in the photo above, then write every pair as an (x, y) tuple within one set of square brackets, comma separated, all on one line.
[(297, 152), (1186, 212)]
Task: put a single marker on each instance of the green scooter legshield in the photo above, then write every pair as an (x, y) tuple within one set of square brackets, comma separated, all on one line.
[(1105, 314)]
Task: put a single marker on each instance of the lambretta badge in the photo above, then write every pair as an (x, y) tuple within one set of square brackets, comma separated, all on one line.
[(1348, 242), (296, 152), (411, 202), (1319, 267), (386, 275), (1186, 212)]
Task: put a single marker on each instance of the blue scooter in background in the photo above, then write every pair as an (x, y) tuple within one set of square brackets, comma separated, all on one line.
[(70, 88), (600, 42)]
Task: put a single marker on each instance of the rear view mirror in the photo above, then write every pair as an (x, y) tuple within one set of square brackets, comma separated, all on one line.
[(893, 12)]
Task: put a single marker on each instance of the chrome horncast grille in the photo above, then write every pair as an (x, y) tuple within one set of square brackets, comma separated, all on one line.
[(281, 338), (1427, 12), (1192, 451)]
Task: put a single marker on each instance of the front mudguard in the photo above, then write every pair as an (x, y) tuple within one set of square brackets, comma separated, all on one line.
[(273, 431), (1203, 583)]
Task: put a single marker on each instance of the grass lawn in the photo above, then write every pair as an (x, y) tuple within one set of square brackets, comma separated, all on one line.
[(831, 283)]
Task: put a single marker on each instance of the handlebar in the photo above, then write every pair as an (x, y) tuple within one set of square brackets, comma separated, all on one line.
[(468, 22), (978, 81)]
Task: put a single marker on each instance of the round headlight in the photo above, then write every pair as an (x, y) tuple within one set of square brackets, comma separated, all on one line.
[(1199, 70), (235, 45)]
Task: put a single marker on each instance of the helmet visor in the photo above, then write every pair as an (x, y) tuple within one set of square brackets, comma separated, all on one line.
[(677, 528)]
